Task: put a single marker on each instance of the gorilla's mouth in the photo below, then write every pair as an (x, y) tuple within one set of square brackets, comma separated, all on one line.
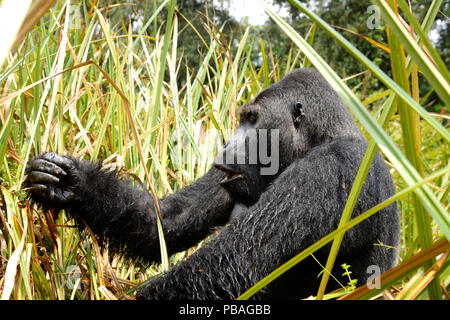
[(231, 174), (232, 177)]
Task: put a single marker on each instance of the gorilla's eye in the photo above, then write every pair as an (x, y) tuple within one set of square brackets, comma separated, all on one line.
[(298, 113)]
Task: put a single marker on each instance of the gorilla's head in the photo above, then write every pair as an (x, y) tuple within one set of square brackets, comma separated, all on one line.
[(280, 125)]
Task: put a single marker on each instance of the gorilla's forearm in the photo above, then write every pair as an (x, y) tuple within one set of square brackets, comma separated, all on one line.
[(115, 210), (125, 216), (190, 214)]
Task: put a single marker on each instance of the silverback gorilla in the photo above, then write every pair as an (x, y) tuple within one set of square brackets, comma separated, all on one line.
[(266, 218)]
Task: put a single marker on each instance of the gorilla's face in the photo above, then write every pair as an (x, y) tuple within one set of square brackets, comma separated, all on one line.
[(280, 125), (266, 142)]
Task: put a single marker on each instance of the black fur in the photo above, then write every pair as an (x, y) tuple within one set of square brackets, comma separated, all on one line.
[(274, 217)]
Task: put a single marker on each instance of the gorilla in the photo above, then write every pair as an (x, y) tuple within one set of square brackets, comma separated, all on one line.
[(261, 218)]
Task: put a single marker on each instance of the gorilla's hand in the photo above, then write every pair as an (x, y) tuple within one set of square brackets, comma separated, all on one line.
[(52, 179)]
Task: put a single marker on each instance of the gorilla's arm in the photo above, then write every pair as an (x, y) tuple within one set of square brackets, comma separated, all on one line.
[(301, 206), (124, 215)]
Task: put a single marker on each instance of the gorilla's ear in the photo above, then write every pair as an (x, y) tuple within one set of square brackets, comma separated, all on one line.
[(298, 113)]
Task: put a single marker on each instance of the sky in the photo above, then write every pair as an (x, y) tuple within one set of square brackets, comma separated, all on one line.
[(248, 8), (251, 9)]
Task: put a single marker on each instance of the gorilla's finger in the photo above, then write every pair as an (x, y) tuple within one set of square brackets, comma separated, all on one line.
[(37, 177), (47, 167), (39, 189), (62, 161)]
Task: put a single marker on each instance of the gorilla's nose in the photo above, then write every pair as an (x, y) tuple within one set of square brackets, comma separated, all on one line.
[(231, 174)]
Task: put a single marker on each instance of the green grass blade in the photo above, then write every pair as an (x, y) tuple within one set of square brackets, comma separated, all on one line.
[(412, 147), (374, 69), (440, 64), (434, 76)]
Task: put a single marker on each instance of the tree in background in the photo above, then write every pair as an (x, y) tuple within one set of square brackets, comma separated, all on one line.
[(196, 18)]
